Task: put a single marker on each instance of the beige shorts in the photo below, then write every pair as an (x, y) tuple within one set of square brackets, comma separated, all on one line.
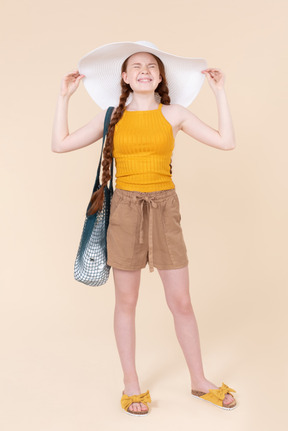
[(145, 227)]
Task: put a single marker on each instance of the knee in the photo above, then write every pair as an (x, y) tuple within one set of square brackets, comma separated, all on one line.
[(126, 303), (180, 306)]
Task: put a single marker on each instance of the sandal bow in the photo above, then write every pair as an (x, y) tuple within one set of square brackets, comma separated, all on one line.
[(217, 395), (127, 400)]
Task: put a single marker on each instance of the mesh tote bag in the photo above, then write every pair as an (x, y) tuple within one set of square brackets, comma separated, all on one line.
[(90, 265)]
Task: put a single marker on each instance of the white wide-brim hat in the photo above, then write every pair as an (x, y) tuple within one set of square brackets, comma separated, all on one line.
[(102, 70)]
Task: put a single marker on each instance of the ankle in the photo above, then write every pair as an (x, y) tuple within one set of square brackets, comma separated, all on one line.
[(198, 382), (131, 383)]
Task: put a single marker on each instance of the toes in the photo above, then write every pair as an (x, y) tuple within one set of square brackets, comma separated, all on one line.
[(144, 408), (228, 399), (132, 407), (136, 407)]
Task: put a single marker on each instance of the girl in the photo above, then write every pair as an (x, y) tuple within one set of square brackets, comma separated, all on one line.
[(144, 223)]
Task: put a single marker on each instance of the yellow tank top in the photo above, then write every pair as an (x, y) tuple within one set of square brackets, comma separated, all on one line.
[(142, 148)]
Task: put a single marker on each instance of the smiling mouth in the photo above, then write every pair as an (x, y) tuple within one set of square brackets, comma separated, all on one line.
[(144, 80)]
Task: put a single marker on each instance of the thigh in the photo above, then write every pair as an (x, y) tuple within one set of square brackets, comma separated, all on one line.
[(127, 284)]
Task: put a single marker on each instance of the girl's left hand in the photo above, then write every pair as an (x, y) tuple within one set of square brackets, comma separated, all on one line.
[(215, 78)]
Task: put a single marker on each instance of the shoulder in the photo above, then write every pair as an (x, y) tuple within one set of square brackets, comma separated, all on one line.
[(100, 117), (106, 110), (175, 113), (97, 122), (175, 109)]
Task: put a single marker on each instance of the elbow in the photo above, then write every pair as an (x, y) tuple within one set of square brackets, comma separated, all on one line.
[(229, 146), (54, 147), (55, 150)]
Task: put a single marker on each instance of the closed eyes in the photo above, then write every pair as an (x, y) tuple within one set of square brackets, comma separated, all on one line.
[(137, 65)]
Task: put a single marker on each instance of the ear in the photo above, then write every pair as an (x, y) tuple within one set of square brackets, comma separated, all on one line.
[(160, 78), (124, 76)]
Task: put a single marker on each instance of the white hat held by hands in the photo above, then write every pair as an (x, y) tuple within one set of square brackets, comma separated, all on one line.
[(102, 70)]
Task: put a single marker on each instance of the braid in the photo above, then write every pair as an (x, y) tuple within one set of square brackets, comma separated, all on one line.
[(97, 198), (163, 91)]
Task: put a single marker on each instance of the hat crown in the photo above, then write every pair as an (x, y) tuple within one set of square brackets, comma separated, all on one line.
[(146, 43)]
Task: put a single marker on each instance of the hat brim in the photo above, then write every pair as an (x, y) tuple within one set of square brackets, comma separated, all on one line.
[(102, 70)]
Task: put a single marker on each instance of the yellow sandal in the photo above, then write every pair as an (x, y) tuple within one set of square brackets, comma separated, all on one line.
[(126, 402), (216, 396)]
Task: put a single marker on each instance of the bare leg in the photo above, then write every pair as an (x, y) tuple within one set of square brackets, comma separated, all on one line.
[(176, 286), (126, 295)]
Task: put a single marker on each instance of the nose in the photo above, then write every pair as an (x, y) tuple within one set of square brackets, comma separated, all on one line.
[(144, 69)]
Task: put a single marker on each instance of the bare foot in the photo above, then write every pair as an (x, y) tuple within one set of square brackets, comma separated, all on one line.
[(205, 385)]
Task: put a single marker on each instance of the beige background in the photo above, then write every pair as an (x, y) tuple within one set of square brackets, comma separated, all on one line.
[(59, 364)]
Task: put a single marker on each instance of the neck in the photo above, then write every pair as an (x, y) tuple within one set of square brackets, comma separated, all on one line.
[(142, 102)]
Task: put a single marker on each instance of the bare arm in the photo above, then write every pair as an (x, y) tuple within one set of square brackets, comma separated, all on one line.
[(224, 137), (62, 140)]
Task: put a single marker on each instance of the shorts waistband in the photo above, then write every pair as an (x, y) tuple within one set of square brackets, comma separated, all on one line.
[(136, 196)]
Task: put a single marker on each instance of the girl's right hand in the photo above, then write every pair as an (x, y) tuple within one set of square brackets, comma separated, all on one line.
[(70, 83)]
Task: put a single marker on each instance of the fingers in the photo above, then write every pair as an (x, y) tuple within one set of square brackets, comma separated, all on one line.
[(213, 70), (79, 77), (214, 73), (75, 74)]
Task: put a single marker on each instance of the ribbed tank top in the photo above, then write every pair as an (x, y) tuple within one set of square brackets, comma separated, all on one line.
[(142, 147)]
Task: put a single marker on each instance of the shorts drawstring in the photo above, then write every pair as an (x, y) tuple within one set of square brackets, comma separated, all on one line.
[(152, 204)]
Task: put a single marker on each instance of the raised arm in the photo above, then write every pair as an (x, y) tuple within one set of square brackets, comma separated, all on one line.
[(62, 140), (224, 137)]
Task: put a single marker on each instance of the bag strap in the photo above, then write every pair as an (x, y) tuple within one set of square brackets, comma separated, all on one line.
[(106, 125)]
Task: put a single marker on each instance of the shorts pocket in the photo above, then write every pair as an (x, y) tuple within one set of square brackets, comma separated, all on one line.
[(172, 216), (116, 199), (121, 234), (173, 231)]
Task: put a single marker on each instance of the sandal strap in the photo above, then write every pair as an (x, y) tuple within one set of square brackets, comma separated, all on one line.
[(216, 396), (127, 400)]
